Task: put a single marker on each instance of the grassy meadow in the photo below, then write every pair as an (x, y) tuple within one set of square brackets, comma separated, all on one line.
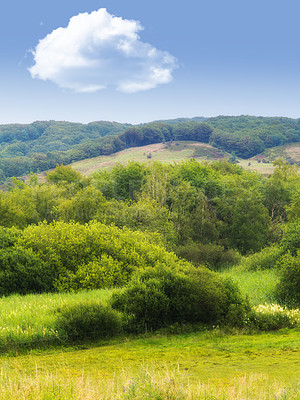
[(257, 285), (176, 364), (182, 150), (29, 321), (203, 365), (162, 152)]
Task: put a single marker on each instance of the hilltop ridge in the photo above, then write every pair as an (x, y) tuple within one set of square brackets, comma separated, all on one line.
[(42, 145)]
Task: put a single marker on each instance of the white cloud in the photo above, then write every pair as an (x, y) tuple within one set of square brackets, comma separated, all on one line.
[(99, 50)]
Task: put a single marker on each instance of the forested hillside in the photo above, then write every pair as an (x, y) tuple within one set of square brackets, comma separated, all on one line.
[(43, 144), (40, 146), (248, 136)]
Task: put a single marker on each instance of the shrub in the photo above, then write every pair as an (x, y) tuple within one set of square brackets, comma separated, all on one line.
[(265, 259), (218, 300), (287, 291), (8, 236), (213, 255), (71, 248), (87, 321), (291, 238), (149, 301), (104, 272), (22, 271), (272, 317), (162, 296)]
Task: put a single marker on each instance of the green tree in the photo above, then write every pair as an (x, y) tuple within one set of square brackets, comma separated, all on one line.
[(63, 175), (83, 206), (250, 224), (122, 182)]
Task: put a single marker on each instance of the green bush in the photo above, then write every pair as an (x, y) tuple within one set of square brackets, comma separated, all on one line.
[(270, 317), (8, 236), (291, 238), (213, 255), (159, 297), (104, 272), (268, 322), (265, 259), (287, 291), (74, 250), (148, 299), (87, 321), (218, 300), (22, 271)]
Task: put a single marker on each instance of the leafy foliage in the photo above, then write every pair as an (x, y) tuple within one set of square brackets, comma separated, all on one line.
[(291, 238), (22, 271), (93, 255), (212, 255), (267, 258), (248, 136), (160, 297), (87, 321), (288, 289)]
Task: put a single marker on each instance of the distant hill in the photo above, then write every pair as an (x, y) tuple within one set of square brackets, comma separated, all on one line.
[(248, 136), (177, 151), (42, 145), (162, 152), (181, 150), (45, 136), (178, 120)]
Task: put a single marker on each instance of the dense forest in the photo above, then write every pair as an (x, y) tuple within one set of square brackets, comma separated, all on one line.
[(42, 145)]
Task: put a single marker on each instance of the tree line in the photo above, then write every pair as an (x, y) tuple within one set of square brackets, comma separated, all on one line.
[(42, 145)]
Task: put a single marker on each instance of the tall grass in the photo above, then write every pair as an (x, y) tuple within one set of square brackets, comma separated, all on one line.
[(257, 285), (28, 321), (148, 385)]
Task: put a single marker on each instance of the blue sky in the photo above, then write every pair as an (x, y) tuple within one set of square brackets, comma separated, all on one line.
[(70, 60)]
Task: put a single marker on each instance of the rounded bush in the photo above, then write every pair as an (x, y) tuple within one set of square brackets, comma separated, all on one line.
[(104, 272), (162, 296), (87, 321), (271, 317), (22, 271), (213, 255), (265, 259)]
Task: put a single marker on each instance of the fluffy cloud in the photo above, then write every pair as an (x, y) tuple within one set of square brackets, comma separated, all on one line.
[(99, 50)]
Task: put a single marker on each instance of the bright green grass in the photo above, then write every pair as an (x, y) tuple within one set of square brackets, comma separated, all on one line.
[(207, 365), (257, 285), (29, 320), (203, 365)]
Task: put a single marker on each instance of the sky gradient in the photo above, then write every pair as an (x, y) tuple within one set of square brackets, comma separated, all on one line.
[(192, 58)]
